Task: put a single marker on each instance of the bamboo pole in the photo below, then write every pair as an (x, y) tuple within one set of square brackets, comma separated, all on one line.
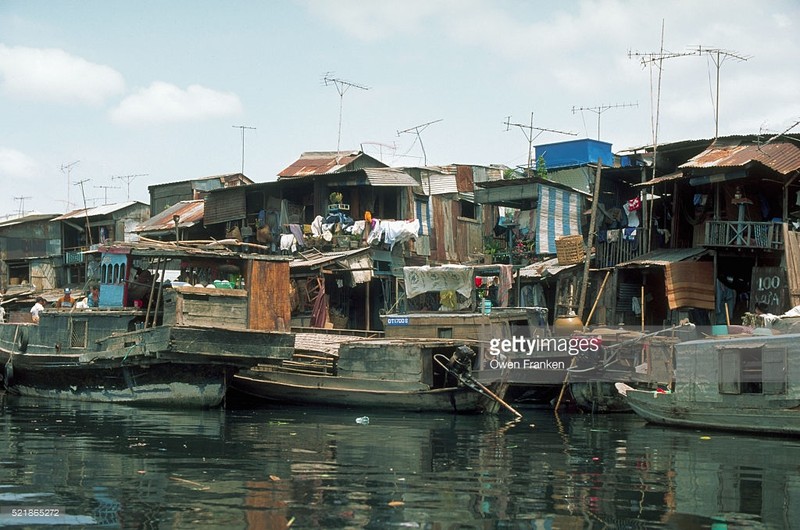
[(641, 306), (590, 238)]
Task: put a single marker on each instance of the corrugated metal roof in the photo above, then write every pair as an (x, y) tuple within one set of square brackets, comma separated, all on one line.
[(106, 209), (663, 257), (190, 212), (782, 157), (317, 259), (28, 219), (658, 180), (389, 177), (320, 163)]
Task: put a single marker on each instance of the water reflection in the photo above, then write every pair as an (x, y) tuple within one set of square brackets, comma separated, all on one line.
[(122, 467)]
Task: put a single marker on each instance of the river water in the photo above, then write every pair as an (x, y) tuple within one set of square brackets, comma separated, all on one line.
[(274, 468)]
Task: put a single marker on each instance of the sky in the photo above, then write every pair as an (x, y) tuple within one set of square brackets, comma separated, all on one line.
[(100, 99)]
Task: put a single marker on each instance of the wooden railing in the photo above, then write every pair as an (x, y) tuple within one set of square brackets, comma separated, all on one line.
[(615, 247), (744, 234)]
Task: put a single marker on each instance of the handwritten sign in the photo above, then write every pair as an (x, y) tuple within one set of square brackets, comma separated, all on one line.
[(397, 321), (768, 286)]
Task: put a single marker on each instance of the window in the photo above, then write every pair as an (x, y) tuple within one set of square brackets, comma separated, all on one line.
[(753, 371), (468, 209)]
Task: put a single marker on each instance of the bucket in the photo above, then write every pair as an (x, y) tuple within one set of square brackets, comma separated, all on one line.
[(565, 325), (719, 330), (487, 307)]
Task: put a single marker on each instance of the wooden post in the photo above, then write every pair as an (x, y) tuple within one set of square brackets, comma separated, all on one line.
[(597, 300), (366, 302), (590, 238)]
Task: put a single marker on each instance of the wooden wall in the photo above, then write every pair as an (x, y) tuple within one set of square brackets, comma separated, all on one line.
[(270, 307)]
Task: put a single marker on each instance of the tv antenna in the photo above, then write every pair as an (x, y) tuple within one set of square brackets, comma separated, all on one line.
[(105, 192), (21, 204), (390, 147), (718, 56), (85, 210), (600, 109), (527, 130), (128, 179), (342, 86), (417, 130), (243, 128), (67, 169)]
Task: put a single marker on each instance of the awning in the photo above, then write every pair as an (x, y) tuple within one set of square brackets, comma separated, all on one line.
[(545, 269), (663, 257)]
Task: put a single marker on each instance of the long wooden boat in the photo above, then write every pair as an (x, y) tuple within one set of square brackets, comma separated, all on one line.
[(748, 384), (179, 347), (410, 375)]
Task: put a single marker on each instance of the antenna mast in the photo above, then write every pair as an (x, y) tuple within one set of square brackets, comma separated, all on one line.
[(243, 127), (342, 86), (417, 130), (67, 169), (600, 109), (85, 211), (718, 56), (21, 204), (527, 130), (105, 192), (128, 179)]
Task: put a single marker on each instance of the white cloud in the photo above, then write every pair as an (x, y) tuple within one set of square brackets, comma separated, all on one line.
[(53, 75), (164, 103), (16, 164)]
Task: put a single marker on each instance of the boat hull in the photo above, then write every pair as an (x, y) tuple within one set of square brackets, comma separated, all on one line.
[(333, 391), (666, 409), (133, 382)]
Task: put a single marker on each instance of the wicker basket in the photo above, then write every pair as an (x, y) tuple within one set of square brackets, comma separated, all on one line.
[(569, 250)]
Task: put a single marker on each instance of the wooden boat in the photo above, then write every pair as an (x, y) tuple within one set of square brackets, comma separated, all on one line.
[(179, 347), (411, 375), (747, 383), (640, 360)]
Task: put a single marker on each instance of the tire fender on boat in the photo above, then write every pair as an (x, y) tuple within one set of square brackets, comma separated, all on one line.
[(22, 339)]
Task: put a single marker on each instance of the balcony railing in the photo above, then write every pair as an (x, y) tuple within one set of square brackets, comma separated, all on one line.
[(744, 234), (617, 246)]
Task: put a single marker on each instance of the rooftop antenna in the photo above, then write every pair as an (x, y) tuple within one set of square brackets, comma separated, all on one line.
[(527, 130), (600, 109), (105, 192), (21, 204), (342, 86), (417, 130), (718, 56), (85, 210), (128, 179), (67, 169), (243, 128), (391, 147)]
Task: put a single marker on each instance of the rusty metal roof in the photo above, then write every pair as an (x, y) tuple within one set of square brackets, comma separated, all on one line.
[(190, 212), (782, 157), (321, 163)]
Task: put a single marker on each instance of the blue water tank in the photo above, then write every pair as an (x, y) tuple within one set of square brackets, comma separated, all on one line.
[(575, 153)]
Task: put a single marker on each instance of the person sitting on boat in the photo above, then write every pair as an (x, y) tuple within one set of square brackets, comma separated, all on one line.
[(37, 308), (66, 300), (94, 297)]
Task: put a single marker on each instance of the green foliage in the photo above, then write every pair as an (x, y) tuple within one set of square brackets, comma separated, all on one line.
[(541, 167)]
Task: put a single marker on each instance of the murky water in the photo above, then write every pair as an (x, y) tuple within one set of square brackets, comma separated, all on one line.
[(270, 468)]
